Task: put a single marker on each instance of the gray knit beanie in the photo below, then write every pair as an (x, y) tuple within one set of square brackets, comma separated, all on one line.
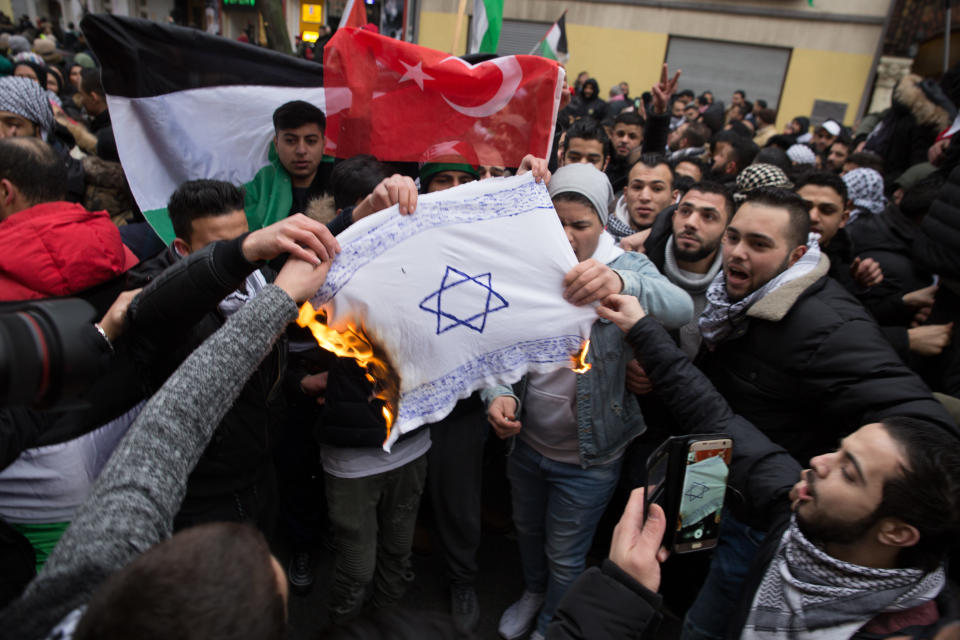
[(586, 180)]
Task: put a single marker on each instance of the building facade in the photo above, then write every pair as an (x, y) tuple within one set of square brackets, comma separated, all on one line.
[(784, 51)]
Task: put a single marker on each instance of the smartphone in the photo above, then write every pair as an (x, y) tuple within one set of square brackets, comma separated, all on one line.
[(687, 477)]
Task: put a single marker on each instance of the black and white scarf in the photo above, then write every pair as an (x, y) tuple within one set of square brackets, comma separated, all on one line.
[(723, 319), (809, 595)]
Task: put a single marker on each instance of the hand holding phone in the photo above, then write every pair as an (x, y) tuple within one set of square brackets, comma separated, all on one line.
[(687, 477), (635, 546)]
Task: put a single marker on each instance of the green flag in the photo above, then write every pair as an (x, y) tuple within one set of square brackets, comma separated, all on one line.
[(486, 25)]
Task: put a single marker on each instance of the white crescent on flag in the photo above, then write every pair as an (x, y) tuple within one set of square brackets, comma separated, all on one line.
[(512, 75)]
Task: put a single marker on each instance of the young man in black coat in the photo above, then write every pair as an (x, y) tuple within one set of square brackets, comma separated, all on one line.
[(850, 533)]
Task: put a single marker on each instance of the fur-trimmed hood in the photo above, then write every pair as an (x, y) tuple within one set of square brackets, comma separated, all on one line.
[(321, 209), (910, 94), (777, 303)]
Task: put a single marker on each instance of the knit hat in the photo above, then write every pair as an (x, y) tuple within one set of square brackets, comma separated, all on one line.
[(586, 180), (865, 189), (447, 156), (18, 44), (42, 46), (84, 60), (760, 175), (27, 99), (801, 154)]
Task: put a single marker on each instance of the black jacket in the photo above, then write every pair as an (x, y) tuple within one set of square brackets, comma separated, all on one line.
[(888, 238), (174, 314), (608, 603), (813, 366)]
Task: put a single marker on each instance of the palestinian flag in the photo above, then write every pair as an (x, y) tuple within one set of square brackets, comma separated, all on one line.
[(185, 105), (554, 44), (486, 25)]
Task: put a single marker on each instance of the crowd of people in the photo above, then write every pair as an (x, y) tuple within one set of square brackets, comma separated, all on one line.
[(796, 291)]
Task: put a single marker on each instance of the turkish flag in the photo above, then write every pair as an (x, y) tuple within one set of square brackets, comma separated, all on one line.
[(396, 100)]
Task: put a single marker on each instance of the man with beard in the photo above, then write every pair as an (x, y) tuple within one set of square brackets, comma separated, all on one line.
[(688, 250), (850, 550), (731, 153), (797, 355)]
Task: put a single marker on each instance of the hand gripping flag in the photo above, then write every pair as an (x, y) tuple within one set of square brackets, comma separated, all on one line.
[(395, 100), (186, 105), (465, 293)]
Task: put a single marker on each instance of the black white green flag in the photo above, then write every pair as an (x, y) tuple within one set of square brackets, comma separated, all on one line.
[(186, 105), (554, 44)]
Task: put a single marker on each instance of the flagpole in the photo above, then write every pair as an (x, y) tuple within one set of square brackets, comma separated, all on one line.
[(461, 12)]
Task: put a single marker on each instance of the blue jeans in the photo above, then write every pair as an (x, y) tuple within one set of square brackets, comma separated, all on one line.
[(722, 589), (556, 507)]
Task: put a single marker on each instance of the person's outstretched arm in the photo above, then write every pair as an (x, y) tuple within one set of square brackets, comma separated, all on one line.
[(134, 500)]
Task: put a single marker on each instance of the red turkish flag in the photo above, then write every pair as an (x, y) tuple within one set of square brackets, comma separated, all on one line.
[(395, 100)]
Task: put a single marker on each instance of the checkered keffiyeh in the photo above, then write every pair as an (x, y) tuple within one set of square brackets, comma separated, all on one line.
[(801, 154), (808, 595), (865, 191), (27, 99), (760, 175)]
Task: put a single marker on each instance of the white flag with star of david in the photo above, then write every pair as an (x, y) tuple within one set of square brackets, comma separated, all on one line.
[(465, 293)]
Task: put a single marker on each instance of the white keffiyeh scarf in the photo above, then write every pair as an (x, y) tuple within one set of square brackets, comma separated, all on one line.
[(723, 319), (809, 595)]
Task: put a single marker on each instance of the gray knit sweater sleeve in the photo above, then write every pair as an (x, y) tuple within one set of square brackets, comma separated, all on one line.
[(140, 489)]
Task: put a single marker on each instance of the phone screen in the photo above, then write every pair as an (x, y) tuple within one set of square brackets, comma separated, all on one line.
[(701, 502)]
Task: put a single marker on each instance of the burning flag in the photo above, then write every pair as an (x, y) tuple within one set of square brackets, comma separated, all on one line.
[(463, 294)]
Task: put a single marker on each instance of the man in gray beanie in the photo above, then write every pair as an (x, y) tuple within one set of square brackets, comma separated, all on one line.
[(570, 442)]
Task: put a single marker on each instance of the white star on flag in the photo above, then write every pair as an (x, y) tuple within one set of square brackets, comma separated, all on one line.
[(415, 72)]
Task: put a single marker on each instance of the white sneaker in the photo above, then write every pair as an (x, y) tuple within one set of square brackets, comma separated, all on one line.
[(518, 619), (536, 635)]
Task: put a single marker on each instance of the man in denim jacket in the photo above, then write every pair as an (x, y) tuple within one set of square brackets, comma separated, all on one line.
[(575, 427)]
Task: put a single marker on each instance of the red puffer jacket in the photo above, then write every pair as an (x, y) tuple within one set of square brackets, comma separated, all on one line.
[(58, 249)]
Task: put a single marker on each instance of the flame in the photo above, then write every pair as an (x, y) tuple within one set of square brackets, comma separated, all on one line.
[(580, 364), (354, 343)]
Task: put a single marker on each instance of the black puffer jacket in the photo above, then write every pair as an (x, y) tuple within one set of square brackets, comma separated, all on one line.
[(175, 313), (813, 366), (910, 126), (888, 238)]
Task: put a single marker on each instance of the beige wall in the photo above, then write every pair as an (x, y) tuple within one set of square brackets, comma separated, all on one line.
[(616, 41)]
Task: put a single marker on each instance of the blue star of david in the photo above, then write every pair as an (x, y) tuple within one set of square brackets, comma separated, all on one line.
[(696, 491), (463, 295)]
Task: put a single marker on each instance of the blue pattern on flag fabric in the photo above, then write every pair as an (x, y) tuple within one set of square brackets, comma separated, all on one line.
[(508, 203), (453, 278), (436, 398)]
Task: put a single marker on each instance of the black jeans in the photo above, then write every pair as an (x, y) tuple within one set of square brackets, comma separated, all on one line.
[(454, 482)]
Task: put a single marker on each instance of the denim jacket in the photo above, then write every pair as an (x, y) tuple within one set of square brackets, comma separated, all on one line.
[(608, 416)]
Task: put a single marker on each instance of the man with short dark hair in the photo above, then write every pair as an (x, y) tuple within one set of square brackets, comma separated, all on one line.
[(838, 153), (585, 141), (794, 353), (765, 121), (294, 176), (685, 246), (892, 307), (627, 135), (649, 191), (94, 100), (689, 139), (849, 550), (731, 154)]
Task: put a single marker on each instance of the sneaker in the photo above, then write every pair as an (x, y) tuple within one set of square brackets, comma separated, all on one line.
[(300, 571), (536, 635), (464, 608), (518, 619)]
